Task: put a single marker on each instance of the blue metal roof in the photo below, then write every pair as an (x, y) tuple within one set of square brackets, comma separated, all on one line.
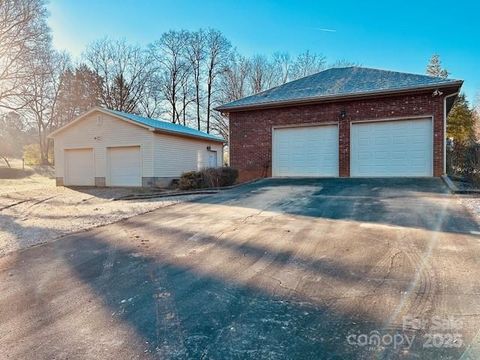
[(338, 82), (165, 126)]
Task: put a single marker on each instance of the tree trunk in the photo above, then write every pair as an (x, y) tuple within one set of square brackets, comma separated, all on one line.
[(197, 99), (6, 161), (184, 110), (43, 142), (198, 108), (209, 100)]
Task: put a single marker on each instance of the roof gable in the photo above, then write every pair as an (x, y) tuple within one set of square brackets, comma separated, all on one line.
[(167, 127), (339, 82), (148, 123)]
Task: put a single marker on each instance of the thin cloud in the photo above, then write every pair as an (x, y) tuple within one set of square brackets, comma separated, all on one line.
[(324, 29)]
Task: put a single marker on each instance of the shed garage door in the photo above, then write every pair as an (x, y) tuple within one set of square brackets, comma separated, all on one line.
[(79, 167), (305, 151), (124, 166), (395, 148)]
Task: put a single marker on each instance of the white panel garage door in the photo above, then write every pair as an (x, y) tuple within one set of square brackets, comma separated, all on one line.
[(394, 148), (79, 167), (124, 166), (305, 151)]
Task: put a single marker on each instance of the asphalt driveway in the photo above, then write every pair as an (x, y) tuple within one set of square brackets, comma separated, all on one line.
[(282, 269)]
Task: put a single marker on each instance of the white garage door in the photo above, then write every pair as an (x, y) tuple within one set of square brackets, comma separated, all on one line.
[(124, 166), (394, 148), (305, 151), (79, 167)]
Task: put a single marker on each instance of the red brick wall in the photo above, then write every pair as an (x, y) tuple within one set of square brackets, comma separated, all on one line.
[(251, 131)]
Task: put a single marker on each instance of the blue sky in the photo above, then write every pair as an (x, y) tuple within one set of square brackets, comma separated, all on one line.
[(382, 34)]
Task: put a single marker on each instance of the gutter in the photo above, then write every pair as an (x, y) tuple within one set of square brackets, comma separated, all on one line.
[(310, 100), (176, 133), (445, 131)]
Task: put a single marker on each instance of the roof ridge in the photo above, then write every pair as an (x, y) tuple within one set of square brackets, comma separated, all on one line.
[(341, 82)]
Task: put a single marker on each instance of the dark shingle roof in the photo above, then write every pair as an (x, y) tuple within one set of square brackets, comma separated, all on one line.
[(339, 82), (164, 126)]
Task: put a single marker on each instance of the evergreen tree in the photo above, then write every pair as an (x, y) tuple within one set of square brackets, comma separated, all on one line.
[(434, 67), (461, 121), (80, 90)]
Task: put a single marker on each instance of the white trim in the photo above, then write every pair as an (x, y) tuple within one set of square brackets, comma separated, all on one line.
[(445, 131), (398, 118)]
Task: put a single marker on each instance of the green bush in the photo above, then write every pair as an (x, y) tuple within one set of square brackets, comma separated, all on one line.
[(208, 178)]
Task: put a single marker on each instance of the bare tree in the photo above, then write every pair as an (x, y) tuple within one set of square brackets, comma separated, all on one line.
[(23, 29), (262, 74), (150, 104), (307, 64), (171, 65), (282, 63), (41, 94), (13, 135), (233, 85), (124, 70), (342, 63), (234, 78), (187, 97), (217, 50), (196, 52)]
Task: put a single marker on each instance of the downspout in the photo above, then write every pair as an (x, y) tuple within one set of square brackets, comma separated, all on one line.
[(445, 131)]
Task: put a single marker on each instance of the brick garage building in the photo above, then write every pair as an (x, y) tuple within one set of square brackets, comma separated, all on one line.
[(343, 122)]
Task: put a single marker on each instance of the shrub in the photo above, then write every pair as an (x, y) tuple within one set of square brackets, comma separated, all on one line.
[(191, 180), (207, 178), (227, 176), (463, 161), (219, 177)]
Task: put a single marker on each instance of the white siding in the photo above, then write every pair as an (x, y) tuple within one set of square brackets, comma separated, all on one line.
[(100, 131), (175, 155)]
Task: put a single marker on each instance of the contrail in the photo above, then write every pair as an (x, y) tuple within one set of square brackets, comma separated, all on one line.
[(325, 29)]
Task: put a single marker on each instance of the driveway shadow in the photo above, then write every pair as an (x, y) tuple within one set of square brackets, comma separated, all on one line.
[(113, 192), (182, 312), (416, 203), (179, 310)]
